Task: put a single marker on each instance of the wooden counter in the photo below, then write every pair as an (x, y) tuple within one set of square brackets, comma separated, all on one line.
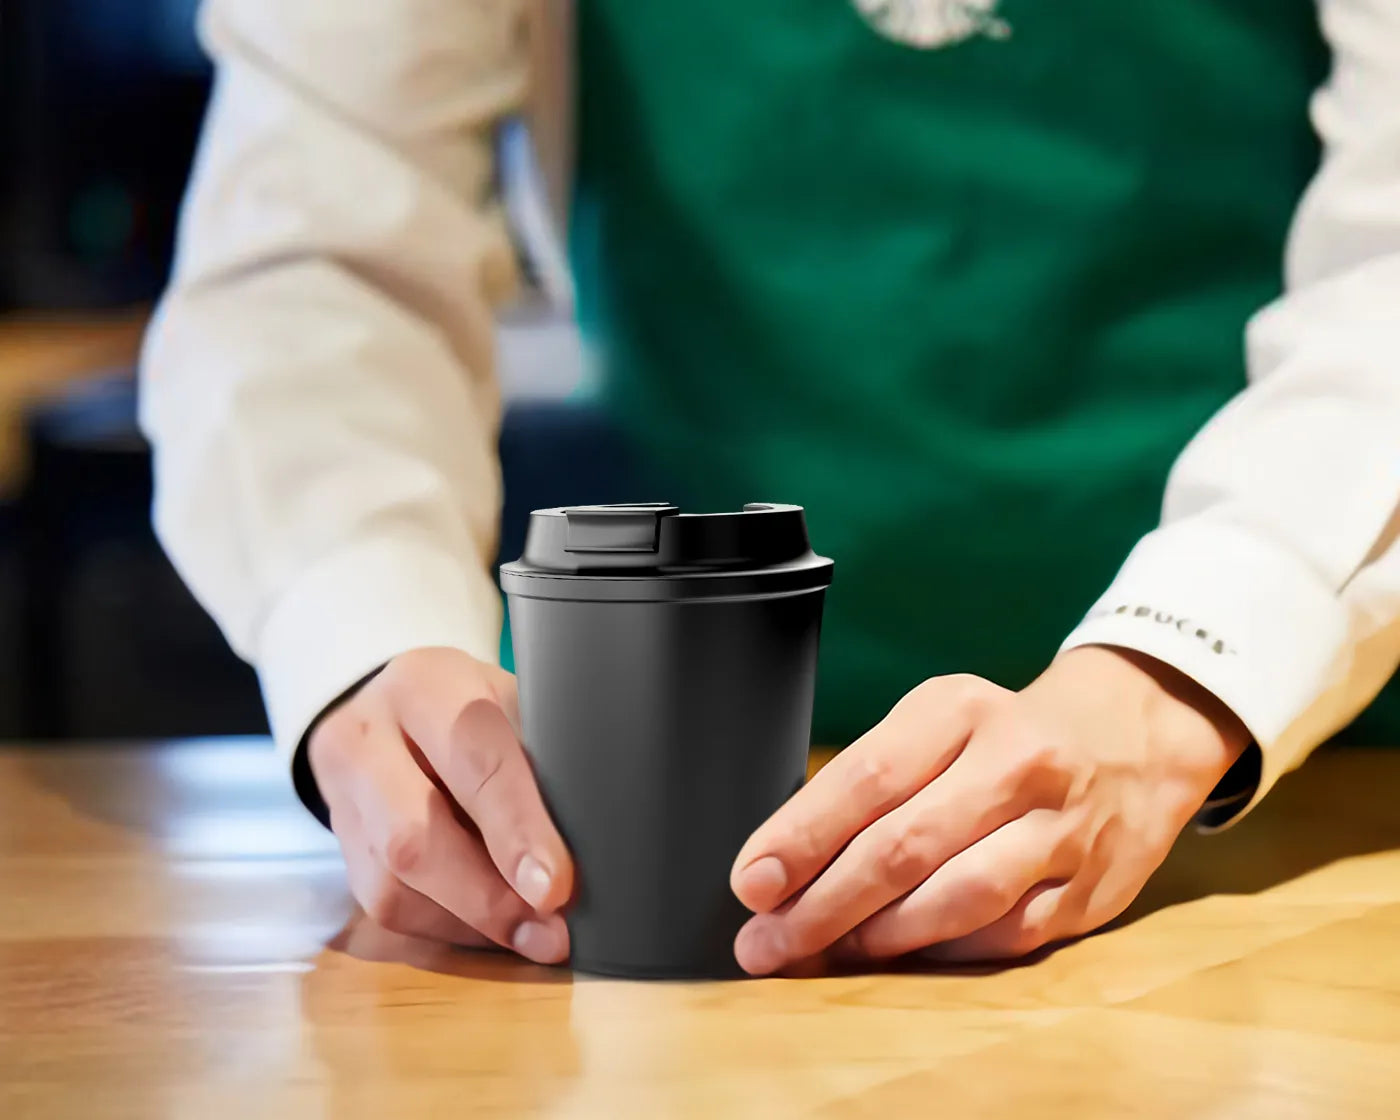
[(176, 940)]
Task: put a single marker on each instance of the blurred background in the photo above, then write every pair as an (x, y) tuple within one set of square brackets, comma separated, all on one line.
[(100, 106)]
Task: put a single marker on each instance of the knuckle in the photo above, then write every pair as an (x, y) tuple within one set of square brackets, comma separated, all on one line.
[(406, 848), (1045, 777), (974, 695), (410, 671), (1015, 782), (1071, 846), (967, 689), (961, 692), (931, 693), (934, 688), (1027, 938), (801, 844), (1044, 749), (905, 858), (1028, 761), (874, 780), (1033, 931), (981, 897)]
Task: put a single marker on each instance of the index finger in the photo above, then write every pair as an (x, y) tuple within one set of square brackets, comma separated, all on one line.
[(455, 719), (909, 748)]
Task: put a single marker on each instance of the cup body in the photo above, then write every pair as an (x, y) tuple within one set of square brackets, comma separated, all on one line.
[(665, 722), (662, 734)]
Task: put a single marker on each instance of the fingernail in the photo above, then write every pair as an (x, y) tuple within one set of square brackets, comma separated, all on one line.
[(765, 878), (532, 881), (539, 941), (761, 949)]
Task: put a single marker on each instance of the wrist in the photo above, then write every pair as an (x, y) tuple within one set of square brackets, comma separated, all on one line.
[(1182, 719), (304, 778)]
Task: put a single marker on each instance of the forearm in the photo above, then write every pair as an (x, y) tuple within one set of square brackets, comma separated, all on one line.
[(1274, 580), (318, 381)]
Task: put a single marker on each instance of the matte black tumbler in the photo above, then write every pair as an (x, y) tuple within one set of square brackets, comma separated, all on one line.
[(666, 664)]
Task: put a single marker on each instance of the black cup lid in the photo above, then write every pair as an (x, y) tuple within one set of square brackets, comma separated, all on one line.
[(653, 551)]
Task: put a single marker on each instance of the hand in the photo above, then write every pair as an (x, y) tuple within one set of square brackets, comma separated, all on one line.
[(436, 809), (976, 823)]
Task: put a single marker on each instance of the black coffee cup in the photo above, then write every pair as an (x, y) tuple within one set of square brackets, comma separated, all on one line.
[(666, 664)]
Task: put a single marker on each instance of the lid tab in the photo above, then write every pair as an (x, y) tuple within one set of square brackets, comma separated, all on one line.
[(615, 528)]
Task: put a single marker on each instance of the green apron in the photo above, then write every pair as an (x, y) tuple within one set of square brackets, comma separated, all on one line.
[(965, 304)]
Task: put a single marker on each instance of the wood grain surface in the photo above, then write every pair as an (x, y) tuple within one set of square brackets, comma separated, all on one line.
[(176, 940)]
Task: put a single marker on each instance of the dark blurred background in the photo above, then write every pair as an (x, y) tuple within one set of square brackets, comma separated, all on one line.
[(100, 105)]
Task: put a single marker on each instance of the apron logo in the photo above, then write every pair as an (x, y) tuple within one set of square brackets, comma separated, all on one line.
[(934, 23)]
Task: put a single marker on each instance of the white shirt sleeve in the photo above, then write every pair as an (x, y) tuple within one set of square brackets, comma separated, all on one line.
[(318, 381), (1274, 579)]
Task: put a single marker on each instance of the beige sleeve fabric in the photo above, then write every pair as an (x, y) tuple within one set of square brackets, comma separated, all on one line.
[(318, 381), (1274, 579)]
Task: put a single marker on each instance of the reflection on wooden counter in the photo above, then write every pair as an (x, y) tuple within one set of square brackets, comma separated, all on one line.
[(177, 940)]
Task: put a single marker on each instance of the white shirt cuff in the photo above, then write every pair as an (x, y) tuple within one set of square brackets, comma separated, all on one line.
[(359, 608), (1244, 618)]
